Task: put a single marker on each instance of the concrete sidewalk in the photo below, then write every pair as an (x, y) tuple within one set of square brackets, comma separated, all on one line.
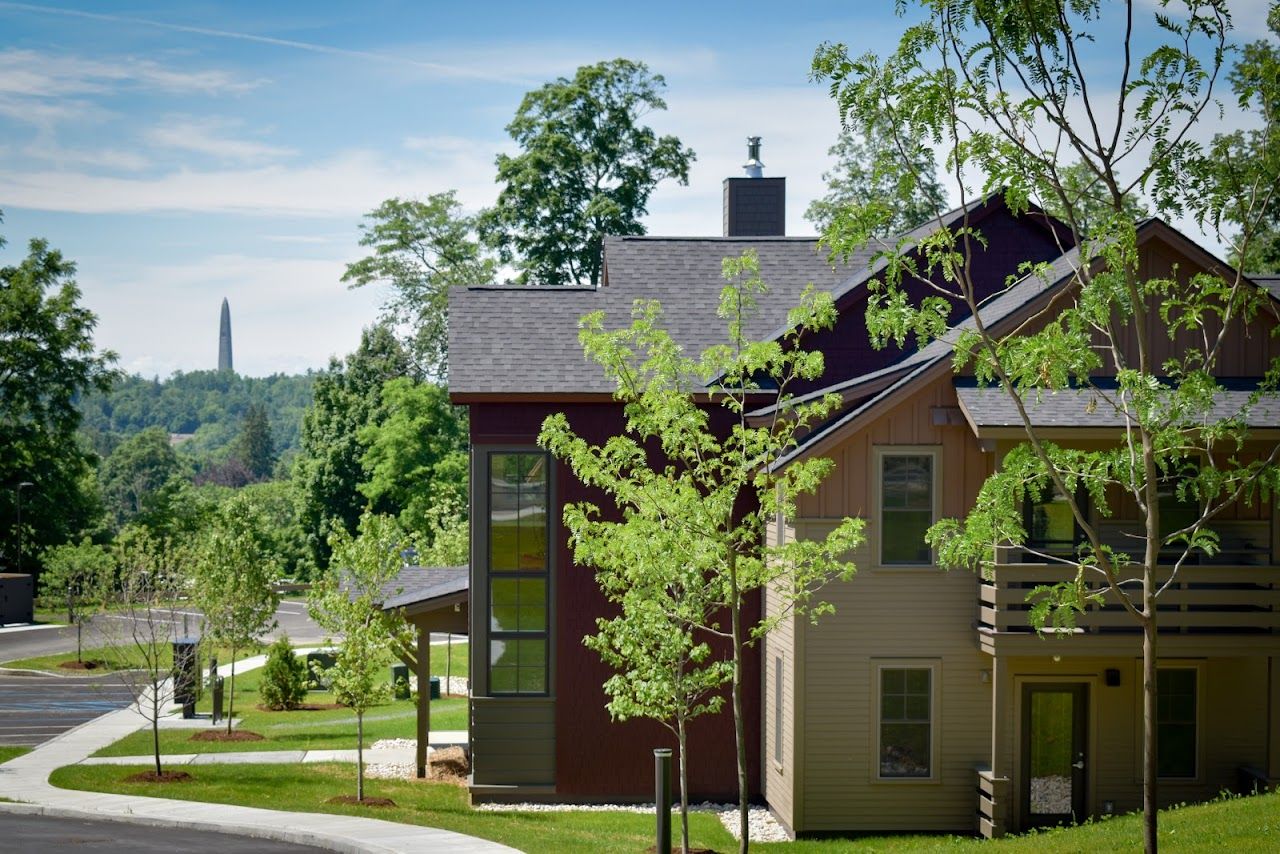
[(372, 756), (26, 779)]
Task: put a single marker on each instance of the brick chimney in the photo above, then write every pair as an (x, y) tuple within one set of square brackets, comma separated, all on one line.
[(755, 206)]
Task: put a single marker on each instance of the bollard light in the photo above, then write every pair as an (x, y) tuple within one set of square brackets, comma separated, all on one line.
[(662, 798)]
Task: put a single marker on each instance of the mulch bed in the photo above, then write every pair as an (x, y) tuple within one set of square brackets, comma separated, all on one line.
[(223, 735), (367, 802), (307, 707), (449, 765), (162, 777), (81, 665)]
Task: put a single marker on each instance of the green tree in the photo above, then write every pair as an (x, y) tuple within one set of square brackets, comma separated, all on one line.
[(415, 453), (77, 576), (421, 249), (254, 447), (232, 586), (1086, 202), (284, 677), (272, 508), (867, 171), (141, 480), (986, 77), (47, 359), (328, 470), (348, 605), (586, 168), (1249, 160), (665, 667), (720, 489)]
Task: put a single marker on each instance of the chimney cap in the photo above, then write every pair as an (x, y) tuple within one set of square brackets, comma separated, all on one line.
[(753, 167)]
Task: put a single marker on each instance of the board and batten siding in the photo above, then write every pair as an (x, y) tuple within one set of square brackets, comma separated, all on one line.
[(905, 615)]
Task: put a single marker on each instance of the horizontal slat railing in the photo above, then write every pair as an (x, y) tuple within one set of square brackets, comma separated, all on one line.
[(1202, 599)]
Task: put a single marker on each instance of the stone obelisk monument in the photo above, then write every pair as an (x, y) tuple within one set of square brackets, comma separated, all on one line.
[(224, 339)]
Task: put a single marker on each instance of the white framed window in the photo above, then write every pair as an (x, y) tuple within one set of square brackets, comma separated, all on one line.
[(907, 503), (906, 719)]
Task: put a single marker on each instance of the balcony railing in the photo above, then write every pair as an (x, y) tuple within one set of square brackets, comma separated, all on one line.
[(1203, 603)]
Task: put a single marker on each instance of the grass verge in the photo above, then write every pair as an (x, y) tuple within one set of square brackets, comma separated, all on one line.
[(331, 729), (7, 752), (1235, 824)]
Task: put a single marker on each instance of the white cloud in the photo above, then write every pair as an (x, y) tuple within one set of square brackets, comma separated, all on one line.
[(47, 75), (209, 136), (347, 184), (287, 314)]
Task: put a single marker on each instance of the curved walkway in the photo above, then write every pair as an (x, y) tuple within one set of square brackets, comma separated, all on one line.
[(26, 779)]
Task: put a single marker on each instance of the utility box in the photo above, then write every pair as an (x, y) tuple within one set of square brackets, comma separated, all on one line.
[(16, 597), (323, 661), (400, 681), (186, 674)]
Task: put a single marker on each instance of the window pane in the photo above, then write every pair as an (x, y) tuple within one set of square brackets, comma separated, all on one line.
[(517, 512), (1176, 722), (908, 482), (904, 750), (905, 721), (902, 536)]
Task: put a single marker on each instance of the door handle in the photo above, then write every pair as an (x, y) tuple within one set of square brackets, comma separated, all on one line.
[(1079, 766)]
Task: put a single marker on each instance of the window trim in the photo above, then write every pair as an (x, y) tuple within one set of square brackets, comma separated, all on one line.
[(879, 453), (778, 702), (485, 551), (934, 666)]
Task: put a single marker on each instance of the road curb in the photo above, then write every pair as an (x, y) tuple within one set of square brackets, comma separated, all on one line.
[(275, 834)]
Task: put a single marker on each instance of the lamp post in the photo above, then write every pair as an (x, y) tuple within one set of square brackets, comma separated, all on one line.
[(18, 495)]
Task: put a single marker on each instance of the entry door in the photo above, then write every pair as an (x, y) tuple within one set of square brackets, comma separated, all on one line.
[(1054, 726)]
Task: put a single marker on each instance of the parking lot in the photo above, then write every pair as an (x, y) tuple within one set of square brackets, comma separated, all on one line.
[(34, 709)]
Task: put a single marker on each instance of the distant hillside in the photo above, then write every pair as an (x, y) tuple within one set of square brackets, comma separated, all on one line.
[(208, 405)]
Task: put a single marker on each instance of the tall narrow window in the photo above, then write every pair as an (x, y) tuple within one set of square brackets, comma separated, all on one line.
[(906, 508), (518, 573), (1176, 722), (906, 722), (777, 709), (1051, 527)]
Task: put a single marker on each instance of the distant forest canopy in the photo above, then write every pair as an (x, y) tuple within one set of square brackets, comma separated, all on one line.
[(209, 405)]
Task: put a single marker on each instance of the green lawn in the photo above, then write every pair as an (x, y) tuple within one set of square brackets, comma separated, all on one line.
[(323, 730), (1237, 825), (459, 659), (112, 657), (7, 753)]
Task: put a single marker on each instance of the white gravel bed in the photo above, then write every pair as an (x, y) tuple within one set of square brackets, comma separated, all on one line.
[(456, 685), (761, 824), (393, 770)]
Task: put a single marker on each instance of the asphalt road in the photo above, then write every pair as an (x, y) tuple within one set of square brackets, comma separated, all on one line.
[(40, 834), (291, 617), (34, 709)]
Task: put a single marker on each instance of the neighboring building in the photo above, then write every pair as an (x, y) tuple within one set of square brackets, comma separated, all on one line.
[(918, 704)]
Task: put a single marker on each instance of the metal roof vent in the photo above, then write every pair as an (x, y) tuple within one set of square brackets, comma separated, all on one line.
[(753, 167)]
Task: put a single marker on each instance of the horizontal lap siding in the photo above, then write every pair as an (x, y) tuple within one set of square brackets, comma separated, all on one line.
[(778, 777), (925, 614), (513, 741), (1232, 723)]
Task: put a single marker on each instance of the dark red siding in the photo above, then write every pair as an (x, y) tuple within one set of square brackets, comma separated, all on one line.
[(1010, 242), (596, 757)]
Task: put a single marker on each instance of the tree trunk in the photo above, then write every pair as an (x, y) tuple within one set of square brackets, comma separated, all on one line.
[(155, 723), (231, 698), (360, 755), (739, 726), (1149, 746), (684, 787)]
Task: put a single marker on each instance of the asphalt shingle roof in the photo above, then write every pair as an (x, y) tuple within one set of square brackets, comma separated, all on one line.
[(518, 340), (1086, 408), (416, 584)]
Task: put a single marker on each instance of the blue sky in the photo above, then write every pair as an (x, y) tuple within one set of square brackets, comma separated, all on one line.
[(182, 152)]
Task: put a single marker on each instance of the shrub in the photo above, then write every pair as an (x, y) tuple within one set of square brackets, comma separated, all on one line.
[(284, 678)]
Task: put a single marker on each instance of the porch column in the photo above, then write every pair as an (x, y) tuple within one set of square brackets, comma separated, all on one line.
[(1273, 721), (424, 697), (1001, 733)]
